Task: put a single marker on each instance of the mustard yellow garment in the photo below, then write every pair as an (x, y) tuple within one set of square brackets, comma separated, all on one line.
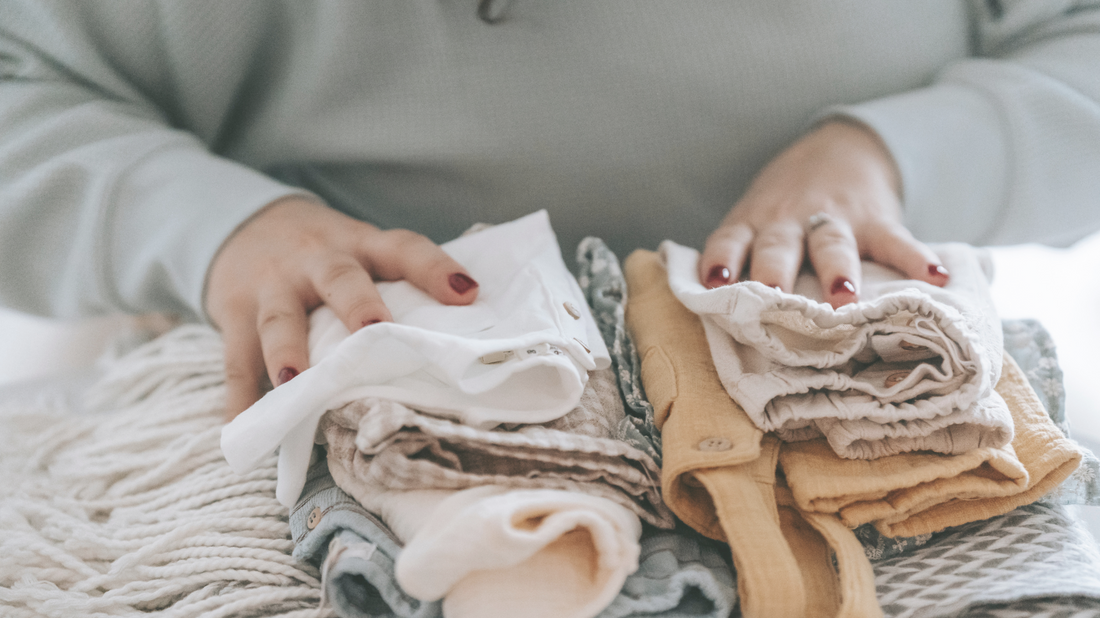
[(719, 473), (919, 493)]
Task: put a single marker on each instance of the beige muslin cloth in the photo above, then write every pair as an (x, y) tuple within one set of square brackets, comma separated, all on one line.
[(919, 493), (719, 473)]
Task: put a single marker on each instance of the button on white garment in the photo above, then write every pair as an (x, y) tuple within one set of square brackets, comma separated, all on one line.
[(714, 445), (458, 362), (572, 310)]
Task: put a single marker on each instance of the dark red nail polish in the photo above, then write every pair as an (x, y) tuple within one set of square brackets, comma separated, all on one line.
[(936, 270), (718, 276), (286, 374), (461, 283), (842, 286), (369, 322)]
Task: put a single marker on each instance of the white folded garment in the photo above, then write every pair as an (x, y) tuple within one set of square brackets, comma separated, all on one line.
[(491, 552), (911, 366), (519, 354)]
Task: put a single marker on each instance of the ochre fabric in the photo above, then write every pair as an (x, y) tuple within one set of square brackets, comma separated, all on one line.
[(719, 472), (920, 493)]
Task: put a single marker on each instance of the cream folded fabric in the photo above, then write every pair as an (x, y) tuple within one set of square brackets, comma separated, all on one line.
[(909, 367), (385, 444), (920, 493), (494, 552), (520, 354)]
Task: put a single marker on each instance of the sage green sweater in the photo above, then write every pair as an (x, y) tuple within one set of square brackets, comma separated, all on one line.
[(136, 135)]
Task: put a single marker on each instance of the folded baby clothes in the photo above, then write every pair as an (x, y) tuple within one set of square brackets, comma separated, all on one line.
[(919, 493), (601, 279), (519, 354), (719, 471), (355, 549), (909, 367), (680, 575), (494, 552), (377, 443)]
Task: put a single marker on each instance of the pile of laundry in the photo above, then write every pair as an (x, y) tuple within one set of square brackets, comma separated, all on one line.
[(519, 457)]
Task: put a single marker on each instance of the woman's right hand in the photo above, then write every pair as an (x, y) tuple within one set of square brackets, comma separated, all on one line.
[(295, 255)]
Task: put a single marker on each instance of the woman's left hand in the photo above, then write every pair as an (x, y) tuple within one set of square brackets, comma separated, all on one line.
[(832, 196)]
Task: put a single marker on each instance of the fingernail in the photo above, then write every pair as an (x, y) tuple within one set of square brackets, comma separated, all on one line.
[(369, 322), (718, 276), (936, 270), (842, 286), (461, 283), (286, 374)]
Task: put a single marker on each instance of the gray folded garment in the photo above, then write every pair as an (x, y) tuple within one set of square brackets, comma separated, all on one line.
[(382, 445), (680, 575), (355, 549), (1034, 558)]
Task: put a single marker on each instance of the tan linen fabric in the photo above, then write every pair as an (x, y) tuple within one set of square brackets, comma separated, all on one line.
[(920, 493), (382, 444), (719, 472)]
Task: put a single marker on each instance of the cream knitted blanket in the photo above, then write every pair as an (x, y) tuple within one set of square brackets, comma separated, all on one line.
[(129, 507)]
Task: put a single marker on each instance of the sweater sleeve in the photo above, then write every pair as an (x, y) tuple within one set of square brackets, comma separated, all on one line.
[(106, 202), (1004, 146)]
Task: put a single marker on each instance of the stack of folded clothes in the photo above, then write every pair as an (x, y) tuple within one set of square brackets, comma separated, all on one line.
[(894, 411), (781, 459), (485, 450)]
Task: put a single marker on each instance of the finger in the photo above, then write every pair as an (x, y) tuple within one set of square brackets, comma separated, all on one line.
[(893, 245), (777, 255), (401, 254), (724, 256), (345, 286), (244, 365), (284, 335), (835, 257)]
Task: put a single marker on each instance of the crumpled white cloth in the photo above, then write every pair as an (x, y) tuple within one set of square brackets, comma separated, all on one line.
[(911, 366), (493, 552), (519, 354)]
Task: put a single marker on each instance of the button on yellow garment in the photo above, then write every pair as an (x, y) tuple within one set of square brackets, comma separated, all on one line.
[(719, 470), (919, 493)]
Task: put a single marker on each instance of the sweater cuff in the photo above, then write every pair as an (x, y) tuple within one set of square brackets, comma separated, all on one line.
[(172, 213), (952, 151)]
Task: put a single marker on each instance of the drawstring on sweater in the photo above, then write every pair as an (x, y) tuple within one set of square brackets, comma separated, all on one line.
[(492, 11)]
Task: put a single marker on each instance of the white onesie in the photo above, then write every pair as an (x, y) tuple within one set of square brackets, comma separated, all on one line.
[(519, 354)]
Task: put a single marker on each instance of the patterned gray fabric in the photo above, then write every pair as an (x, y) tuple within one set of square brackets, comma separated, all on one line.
[(1033, 349), (601, 279), (995, 568)]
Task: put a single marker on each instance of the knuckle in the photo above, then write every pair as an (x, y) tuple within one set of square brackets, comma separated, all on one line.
[(774, 238), (337, 270), (238, 374), (363, 309), (270, 319), (404, 240)]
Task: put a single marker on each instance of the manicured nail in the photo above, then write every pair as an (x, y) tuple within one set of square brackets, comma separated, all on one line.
[(286, 374), (842, 286), (718, 276), (461, 283), (936, 270), (369, 322)]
